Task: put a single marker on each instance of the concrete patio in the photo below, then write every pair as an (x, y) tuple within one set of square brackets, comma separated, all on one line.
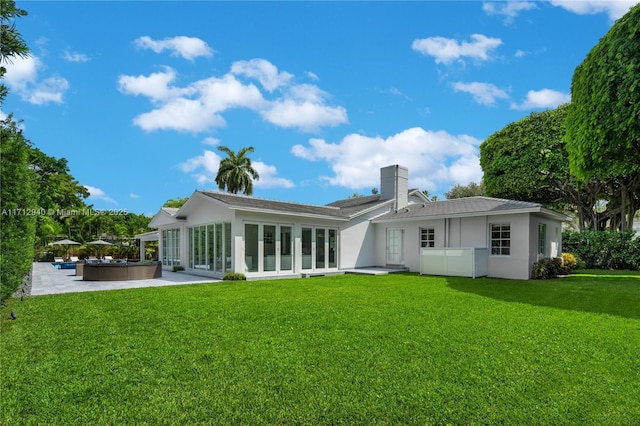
[(46, 279)]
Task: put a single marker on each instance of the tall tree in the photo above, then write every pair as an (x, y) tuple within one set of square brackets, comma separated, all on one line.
[(11, 43), (528, 160), (18, 204), (603, 126), (462, 191), (57, 188), (175, 203), (235, 172), (17, 181)]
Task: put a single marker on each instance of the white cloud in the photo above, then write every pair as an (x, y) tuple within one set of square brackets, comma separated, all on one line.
[(211, 141), (434, 158), (189, 48), (313, 76), (307, 116), (545, 98), (75, 57), (22, 77), (48, 90), (508, 9), (614, 8), (199, 106), (204, 169), (446, 50), (264, 71), (269, 177), (99, 194), (134, 196), (180, 114), (219, 94), (483, 93), (156, 86), (194, 108), (21, 72)]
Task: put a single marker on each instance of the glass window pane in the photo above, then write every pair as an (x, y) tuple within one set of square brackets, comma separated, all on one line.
[(210, 247), (320, 239), (251, 247), (218, 248), (176, 247), (333, 248), (191, 254), (306, 248), (227, 246), (286, 263), (269, 247)]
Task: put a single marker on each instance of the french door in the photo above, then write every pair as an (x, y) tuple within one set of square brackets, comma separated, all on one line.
[(395, 246), (319, 248)]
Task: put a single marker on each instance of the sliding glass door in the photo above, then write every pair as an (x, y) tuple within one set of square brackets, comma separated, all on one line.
[(268, 247), (319, 248)]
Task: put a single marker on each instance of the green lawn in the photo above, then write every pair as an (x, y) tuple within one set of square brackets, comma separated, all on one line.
[(396, 349)]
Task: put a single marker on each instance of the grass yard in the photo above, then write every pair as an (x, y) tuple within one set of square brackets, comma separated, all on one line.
[(396, 349)]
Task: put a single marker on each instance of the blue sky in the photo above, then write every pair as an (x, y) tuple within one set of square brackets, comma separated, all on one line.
[(138, 95)]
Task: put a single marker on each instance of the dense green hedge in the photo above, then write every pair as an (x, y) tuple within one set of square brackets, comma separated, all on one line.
[(604, 249), (18, 204)]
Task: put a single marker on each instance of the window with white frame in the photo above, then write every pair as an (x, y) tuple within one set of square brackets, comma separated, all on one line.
[(542, 239), (427, 237), (171, 247), (501, 239), (209, 244)]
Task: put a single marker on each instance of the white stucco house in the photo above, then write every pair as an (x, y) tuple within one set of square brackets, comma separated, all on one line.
[(214, 232)]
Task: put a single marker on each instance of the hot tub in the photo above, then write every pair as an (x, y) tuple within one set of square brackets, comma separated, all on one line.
[(121, 271)]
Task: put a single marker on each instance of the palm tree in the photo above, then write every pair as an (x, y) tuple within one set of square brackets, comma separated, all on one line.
[(235, 172)]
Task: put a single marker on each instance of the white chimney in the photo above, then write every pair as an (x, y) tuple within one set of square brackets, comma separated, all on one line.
[(394, 184)]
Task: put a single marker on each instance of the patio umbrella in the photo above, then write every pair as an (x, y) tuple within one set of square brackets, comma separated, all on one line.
[(99, 243), (65, 243)]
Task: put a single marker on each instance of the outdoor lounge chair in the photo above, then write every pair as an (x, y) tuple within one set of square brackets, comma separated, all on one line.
[(58, 259), (73, 259)]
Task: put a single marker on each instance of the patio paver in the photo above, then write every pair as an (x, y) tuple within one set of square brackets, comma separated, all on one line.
[(46, 279)]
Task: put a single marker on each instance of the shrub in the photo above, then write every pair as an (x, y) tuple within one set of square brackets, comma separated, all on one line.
[(604, 249), (548, 268), (18, 195), (177, 268), (570, 261), (234, 276)]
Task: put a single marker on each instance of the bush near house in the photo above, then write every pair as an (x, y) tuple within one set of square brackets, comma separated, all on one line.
[(571, 262), (604, 249), (548, 268), (234, 276)]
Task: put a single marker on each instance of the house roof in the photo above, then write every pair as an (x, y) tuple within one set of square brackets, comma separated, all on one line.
[(164, 215), (246, 203), (345, 209), (470, 206)]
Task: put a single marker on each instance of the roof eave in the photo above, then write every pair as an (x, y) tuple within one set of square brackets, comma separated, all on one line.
[(287, 213), (544, 211), (370, 209)]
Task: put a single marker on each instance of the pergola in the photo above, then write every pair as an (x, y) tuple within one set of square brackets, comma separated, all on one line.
[(147, 236)]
